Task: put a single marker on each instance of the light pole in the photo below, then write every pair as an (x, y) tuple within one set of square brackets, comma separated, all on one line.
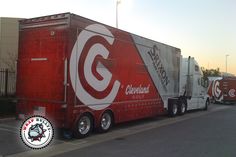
[(117, 3), (226, 57)]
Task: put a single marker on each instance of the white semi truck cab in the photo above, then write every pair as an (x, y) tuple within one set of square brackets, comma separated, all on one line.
[(192, 89)]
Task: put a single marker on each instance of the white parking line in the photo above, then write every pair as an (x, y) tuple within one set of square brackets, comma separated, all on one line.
[(9, 126), (11, 131), (7, 119)]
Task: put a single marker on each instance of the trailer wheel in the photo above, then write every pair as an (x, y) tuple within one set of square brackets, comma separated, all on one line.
[(182, 108), (206, 105), (106, 122), (83, 126), (173, 109), (213, 100)]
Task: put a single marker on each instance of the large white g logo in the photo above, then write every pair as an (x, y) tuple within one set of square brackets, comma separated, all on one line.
[(87, 74), (216, 90)]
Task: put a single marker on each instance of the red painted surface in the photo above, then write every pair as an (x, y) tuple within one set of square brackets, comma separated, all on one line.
[(223, 89), (229, 89), (40, 78)]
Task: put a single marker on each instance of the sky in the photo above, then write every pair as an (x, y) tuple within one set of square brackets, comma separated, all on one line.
[(204, 29)]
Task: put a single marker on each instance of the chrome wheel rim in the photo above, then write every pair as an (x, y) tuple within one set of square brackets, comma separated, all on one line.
[(84, 125), (106, 121), (183, 108), (175, 109)]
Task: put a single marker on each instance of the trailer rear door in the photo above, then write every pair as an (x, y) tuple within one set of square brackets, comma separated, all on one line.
[(42, 63)]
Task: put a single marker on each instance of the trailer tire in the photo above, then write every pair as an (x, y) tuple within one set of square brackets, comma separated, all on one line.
[(173, 109), (206, 105), (84, 126), (106, 122), (213, 100), (182, 107)]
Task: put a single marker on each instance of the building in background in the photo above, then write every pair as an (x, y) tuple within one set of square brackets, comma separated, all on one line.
[(9, 32)]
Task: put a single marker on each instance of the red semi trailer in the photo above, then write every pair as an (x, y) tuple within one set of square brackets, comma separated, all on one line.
[(82, 74), (222, 89)]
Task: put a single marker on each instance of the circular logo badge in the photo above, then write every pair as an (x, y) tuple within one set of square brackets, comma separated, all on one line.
[(36, 132), (232, 93)]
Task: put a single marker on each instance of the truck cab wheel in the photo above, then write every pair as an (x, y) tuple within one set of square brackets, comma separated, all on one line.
[(83, 126), (206, 105), (173, 109), (106, 122), (182, 108)]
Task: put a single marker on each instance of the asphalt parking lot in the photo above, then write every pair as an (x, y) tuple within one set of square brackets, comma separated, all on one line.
[(11, 144)]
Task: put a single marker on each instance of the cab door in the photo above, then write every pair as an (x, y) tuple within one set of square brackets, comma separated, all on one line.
[(195, 93), (202, 93)]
